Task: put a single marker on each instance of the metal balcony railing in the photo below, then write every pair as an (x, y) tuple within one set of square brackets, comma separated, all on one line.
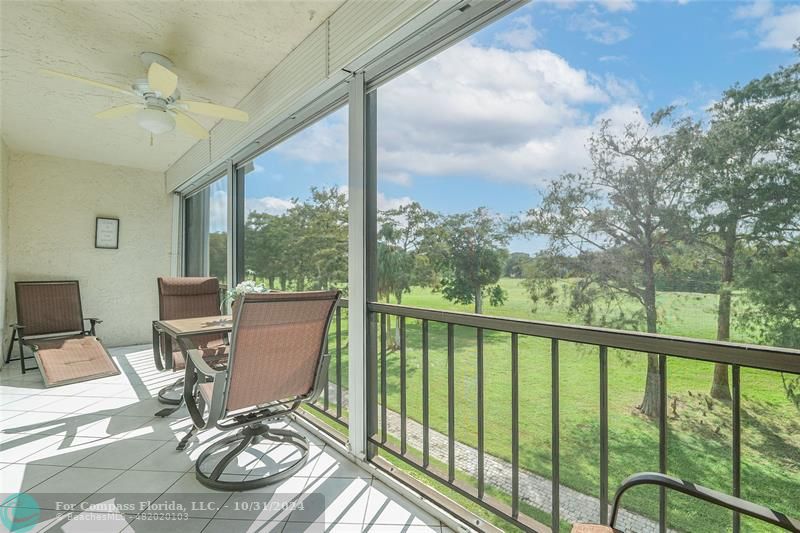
[(736, 355), (333, 403)]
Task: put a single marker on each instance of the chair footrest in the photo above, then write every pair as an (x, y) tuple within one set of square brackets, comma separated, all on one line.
[(73, 359)]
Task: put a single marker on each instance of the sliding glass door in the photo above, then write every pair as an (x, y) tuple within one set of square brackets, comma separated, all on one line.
[(206, 231)]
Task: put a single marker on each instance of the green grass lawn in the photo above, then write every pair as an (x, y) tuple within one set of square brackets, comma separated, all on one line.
[(700, 429)]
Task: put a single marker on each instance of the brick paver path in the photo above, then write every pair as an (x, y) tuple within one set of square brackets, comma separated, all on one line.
[(534, 490)]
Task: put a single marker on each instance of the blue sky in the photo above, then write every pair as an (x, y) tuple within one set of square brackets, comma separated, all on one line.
[(490, 121)]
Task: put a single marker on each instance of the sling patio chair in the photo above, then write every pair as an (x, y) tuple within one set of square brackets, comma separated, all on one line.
[(186, 297), (278, 360), (50, 322), (743, 507)]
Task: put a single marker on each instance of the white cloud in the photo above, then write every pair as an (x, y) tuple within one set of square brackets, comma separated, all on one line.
[(502, 115), (398, 178), (782, 29), (596, 29), (618, 5), (268, 204), (324, 142), (385, 203), (218, 210), (620, 89), (756, 9), (777, 28), (499, 114), (560, 4), (520, 36)]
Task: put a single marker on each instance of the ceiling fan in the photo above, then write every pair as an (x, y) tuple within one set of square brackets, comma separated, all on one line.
[(160, 108)]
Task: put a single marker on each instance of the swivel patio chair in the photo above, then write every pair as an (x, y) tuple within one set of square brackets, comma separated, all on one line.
[(50, 322), (277, 362), (188, 297), (699, 492)]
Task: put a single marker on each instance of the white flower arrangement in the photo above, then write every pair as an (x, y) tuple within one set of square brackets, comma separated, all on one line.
[(245, 287)]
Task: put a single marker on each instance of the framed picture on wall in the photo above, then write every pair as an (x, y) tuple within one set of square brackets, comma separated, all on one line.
[(106, 233)]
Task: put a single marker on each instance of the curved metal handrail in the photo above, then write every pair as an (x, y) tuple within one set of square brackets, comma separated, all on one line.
[(708, 495)]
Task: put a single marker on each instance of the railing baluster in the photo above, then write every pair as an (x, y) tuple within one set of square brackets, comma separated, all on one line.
[(338, 362), (403, 412), (555, 437), (383, 378), (425, 398), (514, 425), (736, 450), (451, 406), (662, 440), (604, 435), (480, 413)]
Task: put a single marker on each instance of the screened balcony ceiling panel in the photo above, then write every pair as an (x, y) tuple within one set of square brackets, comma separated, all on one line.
[(221, 51), (355, 28), (305, 67)]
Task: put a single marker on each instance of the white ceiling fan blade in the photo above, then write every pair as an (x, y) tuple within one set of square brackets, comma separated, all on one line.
[(190, 126), (88, 82), (162, 79), (214, 110), (120, 111)]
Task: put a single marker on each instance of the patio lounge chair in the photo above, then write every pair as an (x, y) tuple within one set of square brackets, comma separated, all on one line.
[(696, 491), (188, 297), (50, 321), (277, 362)]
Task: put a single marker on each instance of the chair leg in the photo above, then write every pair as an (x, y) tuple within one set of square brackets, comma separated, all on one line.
[(169, 410), (172, 394), (21, 357), (186, 438), (247, 436), (11, 346), (167, 396)]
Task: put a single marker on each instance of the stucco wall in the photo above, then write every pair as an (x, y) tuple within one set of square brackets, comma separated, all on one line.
[(3, 240), (52, 210)]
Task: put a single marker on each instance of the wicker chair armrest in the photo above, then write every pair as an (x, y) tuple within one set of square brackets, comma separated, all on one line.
[(16, 326)]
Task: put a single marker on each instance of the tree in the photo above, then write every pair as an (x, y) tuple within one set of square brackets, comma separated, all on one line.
[(473, 257), (771, 277), (401, 232), (319, 233), (516, 264), (218, 255), (771, 280), (404, 231), (620, 218), (267, 244), (748, 180)]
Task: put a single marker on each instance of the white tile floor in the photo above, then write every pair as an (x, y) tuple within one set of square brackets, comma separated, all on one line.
[(97, 445)]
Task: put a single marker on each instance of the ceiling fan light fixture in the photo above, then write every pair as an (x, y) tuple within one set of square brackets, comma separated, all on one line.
[(156, 121)]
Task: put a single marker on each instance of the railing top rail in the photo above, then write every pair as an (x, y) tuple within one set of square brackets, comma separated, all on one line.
[(750, 355)]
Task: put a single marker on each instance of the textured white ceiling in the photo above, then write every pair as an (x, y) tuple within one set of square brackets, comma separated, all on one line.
[(221, 50)]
